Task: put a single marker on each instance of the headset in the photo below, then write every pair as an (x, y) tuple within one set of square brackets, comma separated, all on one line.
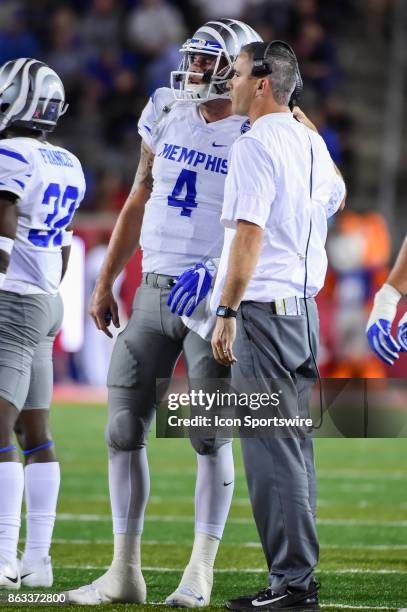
[(261, 66)]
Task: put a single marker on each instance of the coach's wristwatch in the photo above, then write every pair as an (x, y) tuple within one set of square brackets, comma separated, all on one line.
[(226, 312)]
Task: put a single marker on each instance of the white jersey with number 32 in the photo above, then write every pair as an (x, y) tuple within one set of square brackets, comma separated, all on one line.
[(50, 185), (181, 223)]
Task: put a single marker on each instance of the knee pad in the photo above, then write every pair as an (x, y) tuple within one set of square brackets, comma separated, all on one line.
[(207, 446), (126, 431)]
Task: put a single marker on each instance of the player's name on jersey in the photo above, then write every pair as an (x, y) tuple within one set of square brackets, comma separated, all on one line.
[(56, 158), (194, 158)]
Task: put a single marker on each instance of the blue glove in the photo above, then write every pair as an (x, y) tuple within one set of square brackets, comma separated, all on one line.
[(379, 325), (190, 289), (402, 333)]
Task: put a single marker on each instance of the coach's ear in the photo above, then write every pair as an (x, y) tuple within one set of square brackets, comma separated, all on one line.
[(262, 85)]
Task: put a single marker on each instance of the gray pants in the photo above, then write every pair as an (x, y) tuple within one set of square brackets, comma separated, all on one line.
[(28, 326), (145, 351), (280, 471)]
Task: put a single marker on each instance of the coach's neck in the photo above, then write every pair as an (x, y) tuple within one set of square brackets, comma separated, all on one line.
[(265, 104)]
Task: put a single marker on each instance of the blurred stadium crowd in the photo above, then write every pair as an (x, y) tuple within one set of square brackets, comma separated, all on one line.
[(112, 54)]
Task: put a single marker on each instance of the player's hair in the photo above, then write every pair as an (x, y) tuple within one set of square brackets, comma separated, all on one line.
[(283, 67)]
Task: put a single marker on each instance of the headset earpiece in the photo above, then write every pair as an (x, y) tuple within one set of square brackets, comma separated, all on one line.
[(261, 67)]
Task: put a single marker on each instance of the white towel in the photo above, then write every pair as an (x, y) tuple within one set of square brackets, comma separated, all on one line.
[(202, 320)]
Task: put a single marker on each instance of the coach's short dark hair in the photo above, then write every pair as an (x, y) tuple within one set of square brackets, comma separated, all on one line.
[(283, 66)]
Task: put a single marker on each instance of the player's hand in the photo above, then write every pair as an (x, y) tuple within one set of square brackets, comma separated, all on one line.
[(402, 333), (190, 289), (378, 328), (223, 337), (103, 309), (302, 118)]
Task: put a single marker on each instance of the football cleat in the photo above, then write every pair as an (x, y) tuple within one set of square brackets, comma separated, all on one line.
[(9, 574), (120, 584), (36, 573), (194, 590)]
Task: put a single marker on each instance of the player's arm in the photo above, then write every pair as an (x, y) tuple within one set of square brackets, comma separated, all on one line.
[(398, 275), (384, 311), (66, 249), (123, 242), (8, 229)]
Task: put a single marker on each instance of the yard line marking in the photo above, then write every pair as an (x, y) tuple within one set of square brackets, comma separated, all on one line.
[(350, 607), (64, 541), (169, 518), (245, 502), (321, 473), (229, 570), (337, 546)]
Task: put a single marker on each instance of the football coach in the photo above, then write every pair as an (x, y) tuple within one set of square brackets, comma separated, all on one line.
[(281, 188)]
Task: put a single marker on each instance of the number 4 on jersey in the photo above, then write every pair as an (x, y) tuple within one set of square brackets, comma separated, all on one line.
[(185, 182)]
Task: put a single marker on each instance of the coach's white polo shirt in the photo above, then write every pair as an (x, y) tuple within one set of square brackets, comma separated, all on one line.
[(268, 184)]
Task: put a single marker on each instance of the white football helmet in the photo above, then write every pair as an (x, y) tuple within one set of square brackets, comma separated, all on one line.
[(221, 39), (31, 95)]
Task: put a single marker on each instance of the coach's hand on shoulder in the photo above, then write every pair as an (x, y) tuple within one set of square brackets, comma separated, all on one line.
[(103, 308), (378, 327), (302, 118), (223, 337), (191, 287)]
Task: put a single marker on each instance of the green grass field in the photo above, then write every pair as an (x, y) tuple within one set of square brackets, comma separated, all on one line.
[(362, 518)]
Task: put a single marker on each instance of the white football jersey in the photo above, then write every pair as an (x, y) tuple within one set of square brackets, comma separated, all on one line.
[(181, 223), (50, 185)]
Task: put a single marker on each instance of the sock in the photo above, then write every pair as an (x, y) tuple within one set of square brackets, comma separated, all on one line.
[(124, 581), (129, 485), (204, 551), (214, 491), (11, 497), (198, 574), (127, 549), (42, 482)]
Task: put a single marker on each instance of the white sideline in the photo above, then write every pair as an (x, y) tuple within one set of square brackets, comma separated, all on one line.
[(165, 518)]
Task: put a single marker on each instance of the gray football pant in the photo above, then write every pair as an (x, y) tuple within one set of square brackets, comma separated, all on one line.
[(280, 471), (145, 351), (28, 326)]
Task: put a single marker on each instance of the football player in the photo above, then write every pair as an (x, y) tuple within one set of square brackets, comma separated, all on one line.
[(173, 211), (41, 185)]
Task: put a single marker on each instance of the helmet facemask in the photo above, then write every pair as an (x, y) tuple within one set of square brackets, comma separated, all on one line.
[(211, 84)]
